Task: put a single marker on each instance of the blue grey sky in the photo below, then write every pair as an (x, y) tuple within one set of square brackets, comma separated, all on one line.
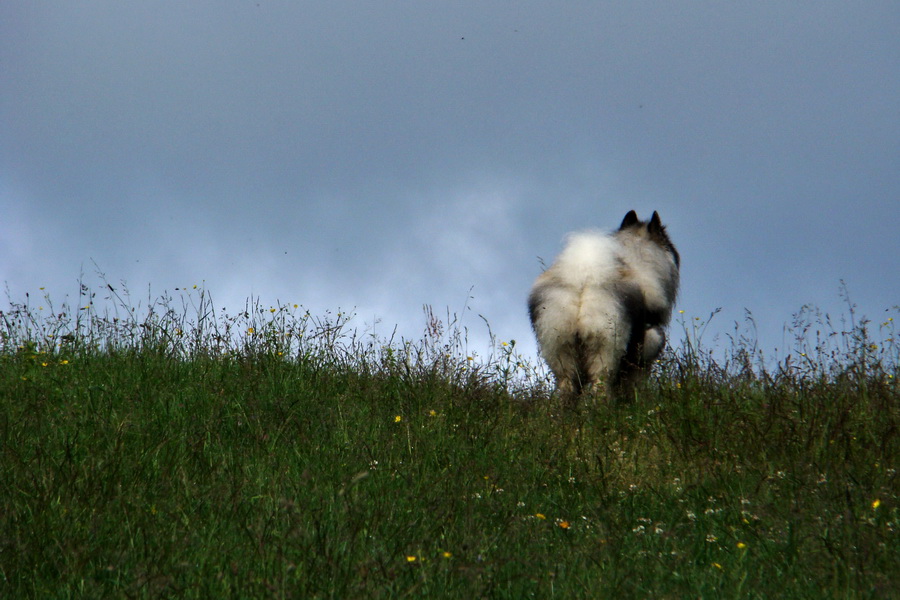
[(380, 156)]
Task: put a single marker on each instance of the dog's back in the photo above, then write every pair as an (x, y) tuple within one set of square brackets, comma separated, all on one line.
[(600, 310)]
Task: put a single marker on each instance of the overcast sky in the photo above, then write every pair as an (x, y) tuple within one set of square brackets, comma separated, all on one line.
[(385, 155)]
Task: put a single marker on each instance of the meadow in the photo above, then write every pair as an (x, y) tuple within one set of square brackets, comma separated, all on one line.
[(163, 448)]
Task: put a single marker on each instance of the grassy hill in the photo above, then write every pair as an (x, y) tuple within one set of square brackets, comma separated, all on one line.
[(172, 450)]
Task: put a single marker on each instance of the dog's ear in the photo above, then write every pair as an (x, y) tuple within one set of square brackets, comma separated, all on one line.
[(630, 219), (655, 223)]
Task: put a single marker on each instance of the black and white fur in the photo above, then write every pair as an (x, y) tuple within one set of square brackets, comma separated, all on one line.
[(600, 311)]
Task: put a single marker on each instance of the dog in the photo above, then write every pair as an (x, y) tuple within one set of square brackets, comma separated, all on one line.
[(600, 311)]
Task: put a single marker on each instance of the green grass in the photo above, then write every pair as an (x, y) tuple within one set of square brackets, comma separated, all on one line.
[(187, 453)]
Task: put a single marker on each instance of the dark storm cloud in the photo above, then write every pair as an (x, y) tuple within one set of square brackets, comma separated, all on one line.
[(386, 155)]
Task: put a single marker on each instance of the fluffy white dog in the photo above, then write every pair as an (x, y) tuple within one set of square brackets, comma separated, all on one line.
[(600, 311)]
